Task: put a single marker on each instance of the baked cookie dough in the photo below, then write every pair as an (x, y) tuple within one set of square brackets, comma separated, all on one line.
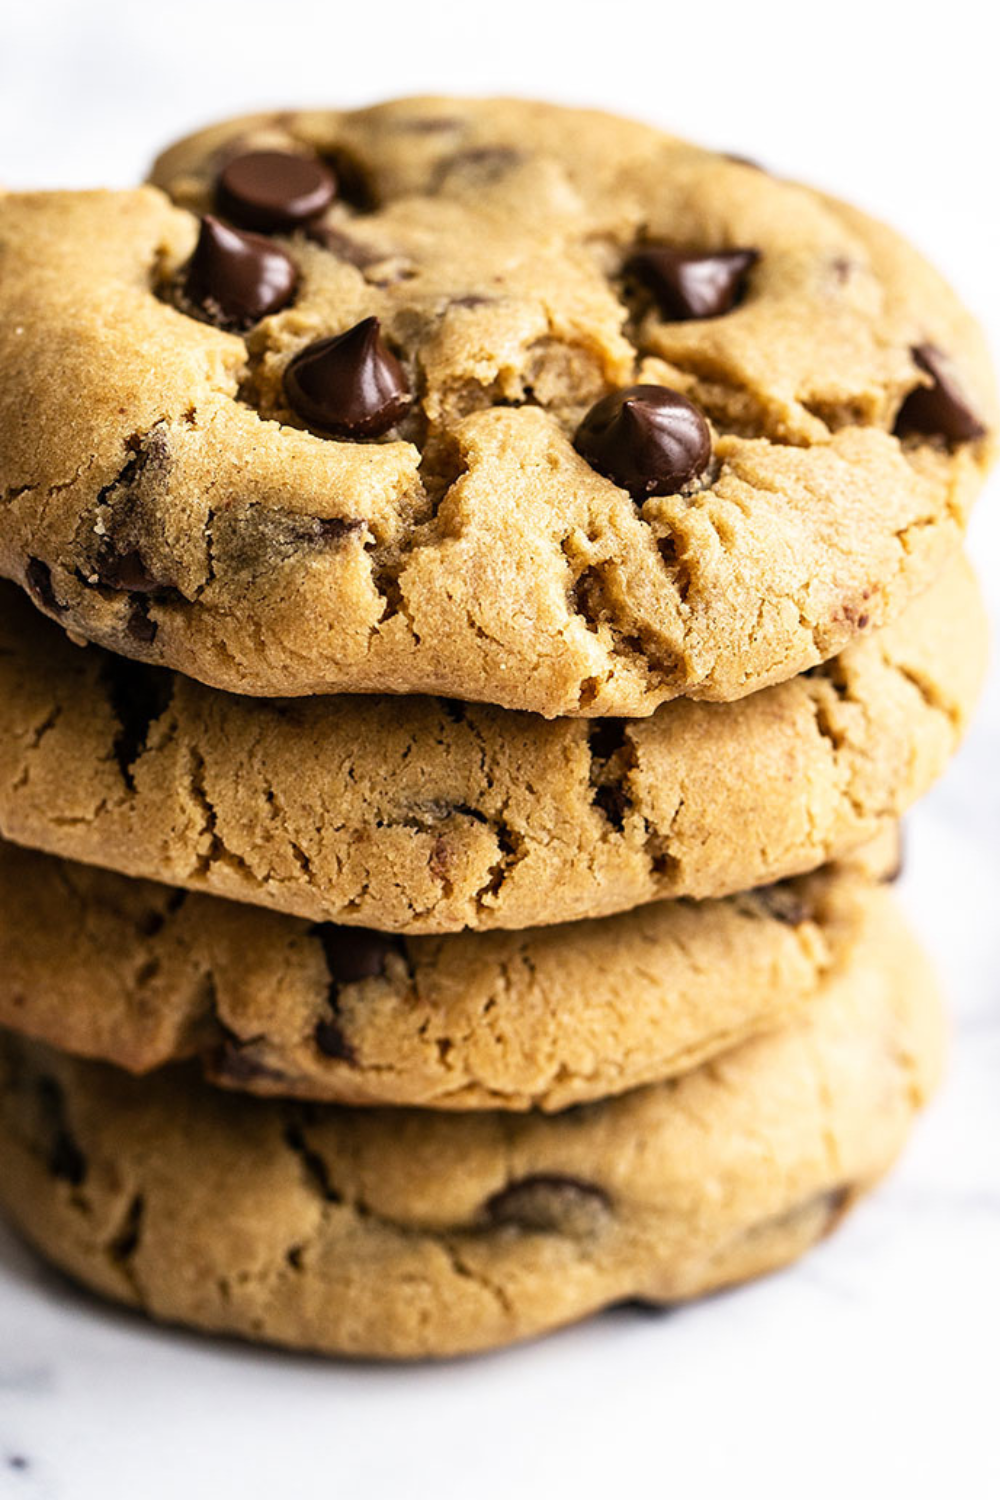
[(407, 1234), (423, 815), (491, 399), (141, 975)]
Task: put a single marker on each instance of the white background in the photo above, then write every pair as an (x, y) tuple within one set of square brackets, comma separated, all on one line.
[(870, 1369)]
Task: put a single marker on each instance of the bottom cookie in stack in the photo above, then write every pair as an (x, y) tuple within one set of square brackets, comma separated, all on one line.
[(402, 1232)]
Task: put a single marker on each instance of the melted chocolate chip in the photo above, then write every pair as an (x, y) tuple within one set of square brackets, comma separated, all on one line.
[(345, 247), (784, 904), (332, 1042), (549, 1203), (939, 409), (235, 278), (689, 286), (126, 571), (478, 166), (38, 577), (235, 1062), (274, 190), (645, 438), (355, 953), (352, 954), (348, 386)]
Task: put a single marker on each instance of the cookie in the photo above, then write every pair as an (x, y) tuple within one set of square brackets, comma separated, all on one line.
[(414, 1233), (496, 400), (423, 815), (141, 975)]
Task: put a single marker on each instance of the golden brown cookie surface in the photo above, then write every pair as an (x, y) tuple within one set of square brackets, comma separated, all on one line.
[(423, 815), (409, 1233), (141, 975), (212, 458)]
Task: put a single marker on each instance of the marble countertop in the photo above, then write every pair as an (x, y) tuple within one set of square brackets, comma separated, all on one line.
[(871, 1367)]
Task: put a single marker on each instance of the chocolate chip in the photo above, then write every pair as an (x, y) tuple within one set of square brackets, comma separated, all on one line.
[(235, 278), (348, 386), (689, 286), (345, 247), (478, 166), (549, 1203), (645, 438), (352, 954), (939, 409), (354, 185), (38, 577), (355, 953), (126, 571), (332, 1042), (274, 190), (234, 1061), (783, 904)]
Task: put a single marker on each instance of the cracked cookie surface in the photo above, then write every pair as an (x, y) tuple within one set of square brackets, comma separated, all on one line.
[(161, 496), (424, 815), (405, 1234), (141, 975)]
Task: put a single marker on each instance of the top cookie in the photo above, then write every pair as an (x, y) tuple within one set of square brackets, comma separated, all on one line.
[(362, 428)]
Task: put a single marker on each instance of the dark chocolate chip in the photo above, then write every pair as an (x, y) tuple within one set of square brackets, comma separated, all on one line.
[(355, 953), (38, 577), (784, 904), (332, 1042), (274, 190), (549, 1203), (645, 438), (689, 286), (348, 386), (352, 954), (354, 185), (235, 278), (939, 409), (478, 166), (234, 1062), (126, 571), (345, 247)]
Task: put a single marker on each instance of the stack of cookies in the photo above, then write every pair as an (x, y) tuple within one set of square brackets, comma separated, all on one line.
[(485, 583)]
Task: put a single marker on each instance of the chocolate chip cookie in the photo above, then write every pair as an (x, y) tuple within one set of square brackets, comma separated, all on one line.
[(412, 1233), (496, 400), (425, 815), (141, 975)]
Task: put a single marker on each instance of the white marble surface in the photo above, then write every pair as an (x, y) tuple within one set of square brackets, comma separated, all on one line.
[(869, 1369)]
